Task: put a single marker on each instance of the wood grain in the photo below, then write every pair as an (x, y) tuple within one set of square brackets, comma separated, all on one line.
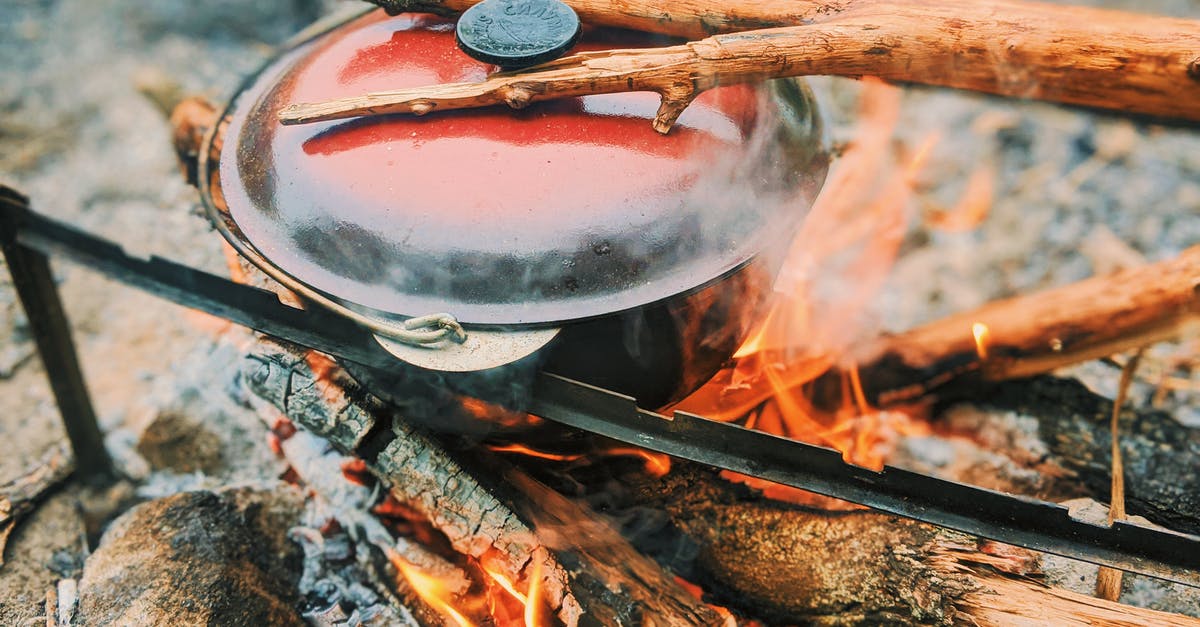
[(1039, 332), (1083, 56)]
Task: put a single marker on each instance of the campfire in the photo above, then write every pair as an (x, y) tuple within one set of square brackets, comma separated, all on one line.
[(972, 445)]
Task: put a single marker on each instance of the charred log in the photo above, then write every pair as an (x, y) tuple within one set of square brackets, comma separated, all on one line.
[(487, 519), (1162, 456), (787, 563)]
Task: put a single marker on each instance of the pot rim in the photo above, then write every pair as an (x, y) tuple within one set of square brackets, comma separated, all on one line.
[(387, 323)]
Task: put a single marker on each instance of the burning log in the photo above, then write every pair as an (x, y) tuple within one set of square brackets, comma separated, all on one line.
[(1133, 63), (496, 532), (1036, 333), (810, 564), (745, 542)]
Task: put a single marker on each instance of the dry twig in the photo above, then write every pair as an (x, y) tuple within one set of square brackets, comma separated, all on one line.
[(1108, 582)]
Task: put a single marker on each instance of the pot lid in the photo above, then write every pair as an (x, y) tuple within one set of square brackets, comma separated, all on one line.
[(562, 211)]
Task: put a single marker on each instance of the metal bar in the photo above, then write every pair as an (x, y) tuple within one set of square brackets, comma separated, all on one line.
[(32, 278), (248, 306), (1025, 522), (1016, 520)]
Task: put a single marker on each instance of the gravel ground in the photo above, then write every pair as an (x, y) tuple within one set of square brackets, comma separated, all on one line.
[(1074, 193)]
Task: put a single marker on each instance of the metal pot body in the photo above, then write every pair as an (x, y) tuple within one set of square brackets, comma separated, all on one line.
[(653, 255)]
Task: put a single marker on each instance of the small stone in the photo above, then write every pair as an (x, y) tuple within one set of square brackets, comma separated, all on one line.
[(177, 442)]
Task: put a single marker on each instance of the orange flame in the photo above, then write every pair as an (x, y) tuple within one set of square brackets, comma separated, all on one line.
[(498, 598), (973, 206), (534, 602), (507, 584), (837, 265), (982, 339), (433, 591), (657, 464), (521, 449)]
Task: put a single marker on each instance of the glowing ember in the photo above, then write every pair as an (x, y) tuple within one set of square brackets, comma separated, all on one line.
[(521, 449), (982, 338), (657, 464), (698, 593)]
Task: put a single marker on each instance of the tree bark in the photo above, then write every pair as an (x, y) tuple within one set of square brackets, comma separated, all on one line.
[(1073, 55), (791, 564), (1161, 456), (1036, 333)]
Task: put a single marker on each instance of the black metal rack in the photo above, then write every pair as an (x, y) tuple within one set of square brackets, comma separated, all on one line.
[(29, 239)]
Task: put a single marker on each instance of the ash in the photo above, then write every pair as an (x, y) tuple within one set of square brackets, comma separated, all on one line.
[(81, 133)]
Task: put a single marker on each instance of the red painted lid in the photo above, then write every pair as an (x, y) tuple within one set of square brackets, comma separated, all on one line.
[(565, 210)]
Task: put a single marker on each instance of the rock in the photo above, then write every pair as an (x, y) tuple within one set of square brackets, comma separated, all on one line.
[(197, 558), (176, 442)]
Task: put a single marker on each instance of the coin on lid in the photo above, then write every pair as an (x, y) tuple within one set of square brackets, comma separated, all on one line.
[(517, 33)]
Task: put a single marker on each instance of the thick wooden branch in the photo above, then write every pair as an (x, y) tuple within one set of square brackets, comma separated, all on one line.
[(690, 19), (790, 564), (1073, 55), (1038, 332)]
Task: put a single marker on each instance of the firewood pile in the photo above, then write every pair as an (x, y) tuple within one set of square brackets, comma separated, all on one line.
[(263, 485)]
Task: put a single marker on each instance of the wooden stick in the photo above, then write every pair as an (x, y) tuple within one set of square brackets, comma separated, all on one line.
[(19, 495), (1074, 55), (1038, 332)]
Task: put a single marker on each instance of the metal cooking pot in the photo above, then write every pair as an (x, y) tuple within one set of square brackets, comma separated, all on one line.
[(568, 235)]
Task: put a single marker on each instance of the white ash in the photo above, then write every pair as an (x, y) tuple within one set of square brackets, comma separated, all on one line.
[(68, 599), (329, 577)]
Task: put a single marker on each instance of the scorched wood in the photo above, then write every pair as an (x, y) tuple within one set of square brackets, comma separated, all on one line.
[(791, 564), (421, 473), (1161, 456)]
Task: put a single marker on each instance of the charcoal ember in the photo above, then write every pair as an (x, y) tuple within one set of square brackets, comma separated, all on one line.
[(282, 378), (196, 558)]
